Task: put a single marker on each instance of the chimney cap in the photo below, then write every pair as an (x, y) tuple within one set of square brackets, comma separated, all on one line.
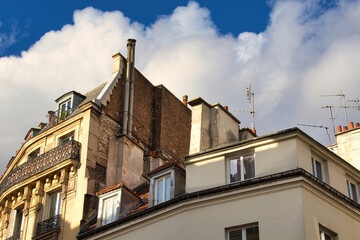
[(131, 42)]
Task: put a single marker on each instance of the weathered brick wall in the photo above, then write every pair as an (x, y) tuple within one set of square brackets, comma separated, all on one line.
[(160, 120), (115, 108), (143, 109), (175, 125)]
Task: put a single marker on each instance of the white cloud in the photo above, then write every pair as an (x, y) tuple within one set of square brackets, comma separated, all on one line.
[(306, 50), (8, 38)]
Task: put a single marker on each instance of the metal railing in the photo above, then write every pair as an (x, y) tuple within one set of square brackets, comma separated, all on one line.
[(70, 150), (48, 225), (15, 236)]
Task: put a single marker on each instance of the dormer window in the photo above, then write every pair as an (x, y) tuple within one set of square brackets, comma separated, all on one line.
[(67, 104), (65, 109), (115, 202), (166, 182), (162, 189)]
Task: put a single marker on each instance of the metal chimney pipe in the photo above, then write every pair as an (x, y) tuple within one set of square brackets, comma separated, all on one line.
[(130, 76)]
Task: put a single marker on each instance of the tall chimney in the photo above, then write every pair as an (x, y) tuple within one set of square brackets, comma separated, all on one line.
[(130, 76), (51, 116)]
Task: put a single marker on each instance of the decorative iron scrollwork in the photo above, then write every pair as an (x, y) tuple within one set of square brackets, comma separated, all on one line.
[(15, 236), (48, 225), (70, 150)]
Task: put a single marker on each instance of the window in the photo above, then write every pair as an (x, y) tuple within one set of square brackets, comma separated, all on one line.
[(33, 154), (242, 168), (317, 168), (352, 190), (53, 205), (110, 209), (66, 138), (162, 189), (65, 110), (326, 234), (245, 233), (16, 223)]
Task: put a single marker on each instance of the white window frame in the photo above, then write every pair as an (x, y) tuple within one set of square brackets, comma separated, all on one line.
[(323, 232), (353, 192), (242, 169), (157, 180), (315, 168), (12, 222), (67, 108), (242, 229), (116, 198), (58, 204), (113, 211)]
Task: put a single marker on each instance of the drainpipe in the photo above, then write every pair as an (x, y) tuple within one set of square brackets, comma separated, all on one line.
[(130, 77)]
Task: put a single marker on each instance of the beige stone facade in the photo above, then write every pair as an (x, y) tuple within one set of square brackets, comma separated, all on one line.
[(48, 190)]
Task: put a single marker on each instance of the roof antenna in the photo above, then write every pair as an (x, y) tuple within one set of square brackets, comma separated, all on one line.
[(331, 116), (251, 99), (341, 95), (317, 126)]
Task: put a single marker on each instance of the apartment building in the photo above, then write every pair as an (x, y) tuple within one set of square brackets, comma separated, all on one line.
[(116, 132), (283, 185)]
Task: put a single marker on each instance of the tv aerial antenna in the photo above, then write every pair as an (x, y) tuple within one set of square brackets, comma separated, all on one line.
[(342, 96), (251, 99), (331, 116), (317, 126)]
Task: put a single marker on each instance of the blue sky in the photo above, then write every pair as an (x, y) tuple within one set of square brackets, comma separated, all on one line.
[(29, 20), (290, 51)]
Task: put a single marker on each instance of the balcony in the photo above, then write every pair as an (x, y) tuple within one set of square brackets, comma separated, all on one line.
[(15, 236), (70, 150), (51, 225)]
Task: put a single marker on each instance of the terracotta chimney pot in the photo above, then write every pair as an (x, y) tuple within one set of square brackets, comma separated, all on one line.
[(351, 125), (345, 128), (339, 129)]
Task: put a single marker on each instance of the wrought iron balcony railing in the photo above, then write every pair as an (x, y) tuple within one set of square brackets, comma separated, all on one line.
[(15, 236), (48, 225), (70, 150)]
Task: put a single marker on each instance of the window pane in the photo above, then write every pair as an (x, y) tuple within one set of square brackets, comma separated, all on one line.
[(58, 204), (52, 205), (110, 209), (160, 191), (252, 233), (235, 235), (327, 237), (249, 167), (318, 170), (167, 188), (353, 191), (18, 221), (235, 170)]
